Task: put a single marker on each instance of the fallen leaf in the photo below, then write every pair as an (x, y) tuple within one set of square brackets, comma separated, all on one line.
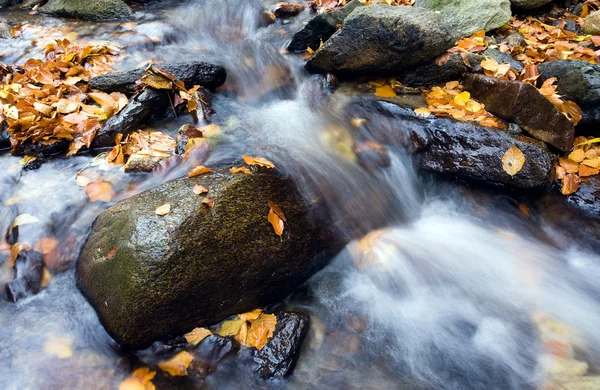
[(569, 165), (99, 191), (58, 346), (570, 184), (199, 170), (197, 335), (385, 91), (422, 112), (163, 210), (277, 210), (231, 327), (357, 122), (45, 245), (462, 98), (112, 253), (251, 315), (240, 170), (208, 202), (177, 365), (585, 171), (156, 81), (140, 379), (260, 161), (276, 222), (578, 155), (513, 160), (199, 190), (24, 219)]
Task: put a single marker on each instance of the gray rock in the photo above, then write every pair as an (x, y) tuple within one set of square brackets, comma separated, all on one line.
[(469, 16), (529, 4), (501, 58), (382, 39), (97, 10), (591, 24), (577, 80), (198, 265), (520, 102), (5, 31), (456, 149), (191, 73), (320, 28)]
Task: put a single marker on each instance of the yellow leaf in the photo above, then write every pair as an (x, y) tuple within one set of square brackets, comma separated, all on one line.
[(163, 210), (251, 315), (422, 112), (156, 81), (472, 106), (513, 160), (276, 222), (24, 219), (357, 122), (177, 365), (198, 334), (385, 91), (260, 161), (199, 170), (240, 170), (139, 380), (462, 98), (589, 142), (58, 346), (490, 64), (231, 327), (578, 155)]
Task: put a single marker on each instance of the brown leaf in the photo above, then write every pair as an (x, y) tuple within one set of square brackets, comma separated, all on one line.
[(569, 165), (277, 210), (276, 222), (156, 81), (570, 184), (260, 161), (585, 171), (513, 160), (240, 170), (208, 202), (199, 190), (99, 191), (163, 209), (199, 170)]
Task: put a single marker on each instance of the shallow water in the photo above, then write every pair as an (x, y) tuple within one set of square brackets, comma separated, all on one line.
[(442, 296)]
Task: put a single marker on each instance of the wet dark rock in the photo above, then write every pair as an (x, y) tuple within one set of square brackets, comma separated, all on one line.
[(191, 73), (287, 10), (211, 351), (40, 150), (138, 109), (4, 136), (28, 276), (97, 10), (430, 73), (587, 197), (567, 25), (457, 149), (469, 16), (528, 4), (197, 265), (278, 357), (184, 134), (520, 102), (372, 155), (320, 28), (577, 80), (501, 58), (381, 39)]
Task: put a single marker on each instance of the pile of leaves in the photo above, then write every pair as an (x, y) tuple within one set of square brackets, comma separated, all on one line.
[(47, 101), (328, 5), (582, 163), (141, 145)]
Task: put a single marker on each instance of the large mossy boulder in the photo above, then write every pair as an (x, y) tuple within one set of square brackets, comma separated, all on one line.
[(153, 277), (382, 39), (96, 10), (469, 16)]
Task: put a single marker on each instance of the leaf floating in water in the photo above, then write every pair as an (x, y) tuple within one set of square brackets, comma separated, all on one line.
[(513, 160), (199, 170), (385, 91), (140, 379), (177, 365), (260, 161), (163, 210), (276, 222), (240, 170), (197, 335), (199, 190), (25, 219), (58, 346), (99, 191)]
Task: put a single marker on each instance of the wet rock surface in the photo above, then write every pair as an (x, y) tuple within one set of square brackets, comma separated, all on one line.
[(278, 357), (528, 4), (97, 10), (577, 80), (430, 73), (211, 351), (381, 39), (320, 28), (521, 103), (457, 149), (28, 276), (191, 73), (197, 265), (469, 16)]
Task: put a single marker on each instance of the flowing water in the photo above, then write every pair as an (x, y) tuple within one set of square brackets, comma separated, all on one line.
[(443, 292)]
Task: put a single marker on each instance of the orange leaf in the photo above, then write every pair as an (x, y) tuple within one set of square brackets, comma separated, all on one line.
[(585, 171), (276, 222), (513, 160), (163, 210), (208, 202), (199, 170), (570, 184), (260, 161), (385, 91), (277, 210), (177, 365), (140, 379), (198, 189), (99, 190), (240, 170)]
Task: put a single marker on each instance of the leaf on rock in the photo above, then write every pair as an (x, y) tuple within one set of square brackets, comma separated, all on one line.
[(163, 210), (260, 161), (156, 81), (385, 91), (585, 171), (199, 190), (251, 315), (462, 98), (568, 165), (277, 210), (240, 170), (577, 155), (570, 184), (199, 170), (513, 160), (177, 365), (208, 202), (276, 222), (140, 379), (231, 327), (99, 191), (197, 335)]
